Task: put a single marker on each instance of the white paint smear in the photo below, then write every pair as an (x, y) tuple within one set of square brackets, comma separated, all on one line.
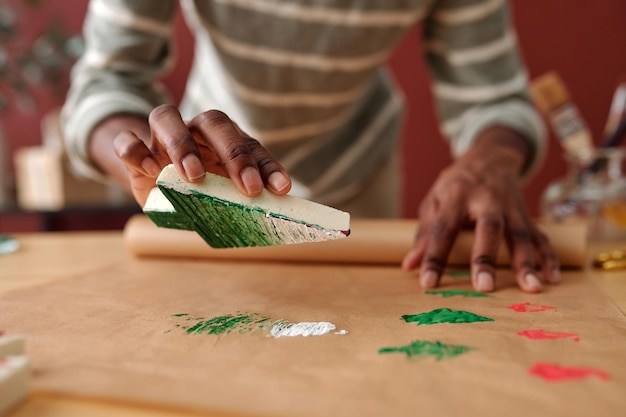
[(305, 328)]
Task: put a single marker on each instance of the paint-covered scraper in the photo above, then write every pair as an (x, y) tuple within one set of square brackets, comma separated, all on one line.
[(225, 218)]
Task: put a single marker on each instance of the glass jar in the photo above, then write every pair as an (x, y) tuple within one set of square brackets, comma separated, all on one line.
[(593, 190)]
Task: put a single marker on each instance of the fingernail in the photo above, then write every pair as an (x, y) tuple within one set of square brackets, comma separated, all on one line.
[(278, 181), (193, 167), (533, 282), (252, 180), (484, 281), (151, 167), (429, 279)]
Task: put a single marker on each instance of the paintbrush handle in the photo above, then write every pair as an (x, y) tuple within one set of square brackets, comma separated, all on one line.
[(616, 137), (611, 141), (370, 242)]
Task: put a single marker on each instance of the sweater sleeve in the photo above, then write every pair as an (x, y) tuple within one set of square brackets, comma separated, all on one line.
[(127, 47), (479, 79)]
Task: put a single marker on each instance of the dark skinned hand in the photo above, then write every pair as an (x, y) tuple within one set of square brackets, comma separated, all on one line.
[(481, 189), (209, 142)]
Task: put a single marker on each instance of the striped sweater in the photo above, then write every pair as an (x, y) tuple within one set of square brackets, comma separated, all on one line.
[(307, 78)]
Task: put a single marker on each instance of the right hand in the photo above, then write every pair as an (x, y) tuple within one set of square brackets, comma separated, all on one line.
[(209, 142)]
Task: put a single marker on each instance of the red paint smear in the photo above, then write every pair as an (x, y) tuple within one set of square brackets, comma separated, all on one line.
[(543, 334), (530, 308), (555, 373)]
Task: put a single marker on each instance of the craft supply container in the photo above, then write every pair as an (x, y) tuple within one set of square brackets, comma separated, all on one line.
[(593, 190)]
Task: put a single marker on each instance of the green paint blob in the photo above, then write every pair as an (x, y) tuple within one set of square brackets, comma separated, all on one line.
[(425, 348), (444, 315), (453, 292)]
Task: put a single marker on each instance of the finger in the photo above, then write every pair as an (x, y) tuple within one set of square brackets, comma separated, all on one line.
[(171, 133), (487, 236), (135, 154), (231, 149), (441, 237), (142, 167), (520, 243), (549, 260), (272, 172), (414, 257)]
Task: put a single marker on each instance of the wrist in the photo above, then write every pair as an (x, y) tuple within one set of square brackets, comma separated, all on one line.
[(504, 147)]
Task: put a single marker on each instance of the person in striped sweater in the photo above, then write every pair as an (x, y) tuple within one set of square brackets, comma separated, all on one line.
[(295, 96)]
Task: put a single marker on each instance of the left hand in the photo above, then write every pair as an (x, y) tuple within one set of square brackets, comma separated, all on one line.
[(482, 189)]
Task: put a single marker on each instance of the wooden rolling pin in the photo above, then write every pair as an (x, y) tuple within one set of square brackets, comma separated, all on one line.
[(370, 242)]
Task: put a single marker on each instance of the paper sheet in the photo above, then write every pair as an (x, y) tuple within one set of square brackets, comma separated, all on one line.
[(121, 334)]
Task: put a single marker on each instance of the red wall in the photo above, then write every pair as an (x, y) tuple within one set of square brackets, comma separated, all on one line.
[(585, 43)]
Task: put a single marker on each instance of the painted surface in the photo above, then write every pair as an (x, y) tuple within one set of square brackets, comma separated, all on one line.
[(552, 372), (444, 315), (425, 348), (539, 334), (242, 322), (530, 308), (456, 292), (248, 322)]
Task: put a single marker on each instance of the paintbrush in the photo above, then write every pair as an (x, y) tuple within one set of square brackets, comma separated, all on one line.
[(552, 98), (611, 141), (617, 112), (225, 218), (615, 128)]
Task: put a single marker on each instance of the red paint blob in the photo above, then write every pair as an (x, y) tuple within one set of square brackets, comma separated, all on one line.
[(556, 373), (530, 308), (543, 334)]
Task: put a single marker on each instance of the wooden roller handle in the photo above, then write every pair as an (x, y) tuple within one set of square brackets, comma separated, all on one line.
[(370, 242)]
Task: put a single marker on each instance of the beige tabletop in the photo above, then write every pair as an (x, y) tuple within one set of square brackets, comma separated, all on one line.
[(51, 257)]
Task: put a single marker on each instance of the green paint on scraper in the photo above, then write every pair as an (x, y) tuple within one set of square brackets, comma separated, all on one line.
[(224, 224)]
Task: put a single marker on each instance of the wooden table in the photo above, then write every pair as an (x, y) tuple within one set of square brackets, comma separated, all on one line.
[(45, 258)]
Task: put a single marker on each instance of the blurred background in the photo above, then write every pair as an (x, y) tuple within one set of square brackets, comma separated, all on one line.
[(40, 39)]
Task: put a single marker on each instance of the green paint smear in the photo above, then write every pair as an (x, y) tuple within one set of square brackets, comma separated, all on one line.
[(425, 348), (170, 219), (240, 323), (444, 315), (454, 292)]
